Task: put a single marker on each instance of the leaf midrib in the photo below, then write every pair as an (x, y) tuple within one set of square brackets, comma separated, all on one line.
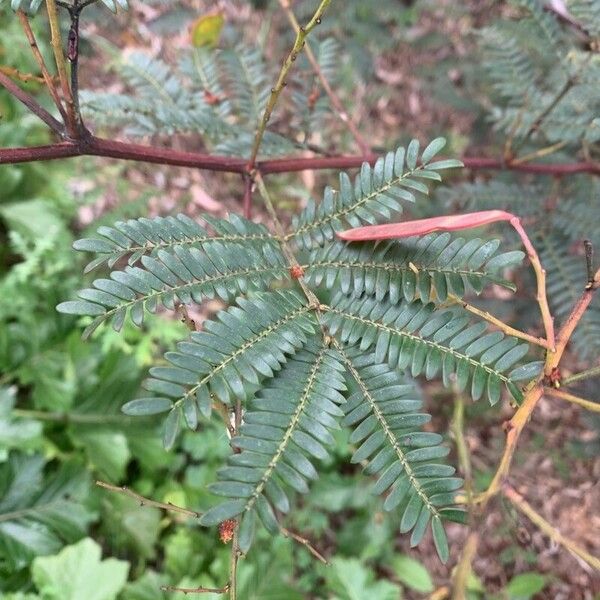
[(174, 289), (415, 483), (387, 266), (443, 349), (288, 432), (190, 241), (248, 344)]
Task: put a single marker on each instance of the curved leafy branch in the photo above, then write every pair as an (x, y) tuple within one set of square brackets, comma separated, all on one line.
[(136, 237), (376, 194), (428, 341), (428, 267), (243, 345), (285, 427), (277, 362), (387, 431)]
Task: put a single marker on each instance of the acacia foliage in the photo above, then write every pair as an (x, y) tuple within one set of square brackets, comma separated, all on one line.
[(342, 350)]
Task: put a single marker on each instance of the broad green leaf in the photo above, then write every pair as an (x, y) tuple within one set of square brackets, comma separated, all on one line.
[(106, 449), (18, 433), (129, 526), (526, 585), (412, 573), (349, 579), (78, 572), (39, 514)]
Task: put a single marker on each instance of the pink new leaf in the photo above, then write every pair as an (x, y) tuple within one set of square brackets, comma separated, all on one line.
[(424, 226)]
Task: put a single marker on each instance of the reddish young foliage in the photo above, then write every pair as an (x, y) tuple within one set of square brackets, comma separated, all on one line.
[(424, 226), (296, 272), (226, 530)]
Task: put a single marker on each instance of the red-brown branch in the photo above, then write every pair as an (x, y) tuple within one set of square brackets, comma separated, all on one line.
[(93, 146)]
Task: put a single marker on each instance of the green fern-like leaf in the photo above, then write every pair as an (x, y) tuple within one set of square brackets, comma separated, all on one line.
[(227, 360), (286, 356), (587, 13), (418, 337), (382, 410), (542, 19), (377, 193), (285, 427), (178, 274), (136, 237), (428, 267)]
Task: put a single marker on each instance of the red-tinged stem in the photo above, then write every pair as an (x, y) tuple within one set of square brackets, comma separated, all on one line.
[(571, 323), (288, 165), (168, 156), (540, 276), (51, 152)]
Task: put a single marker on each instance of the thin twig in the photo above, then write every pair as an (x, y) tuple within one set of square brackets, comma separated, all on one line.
[(538, 153), (462, 450), (540, 276), (61, 65), (235, 540), (463, 570), (593, 372), (73, 56), (564, 90), (35, 50), (147, 501), (440, 594), (515, 426), (513, 429), (589, 261), (301, 36), (588, 404), (571, 323), (337, 104), (523, 506), (20, 76), (32, 104), (301, 540), (500, 324), (292, 260), (517, 423), (199, 590), (233, 562)]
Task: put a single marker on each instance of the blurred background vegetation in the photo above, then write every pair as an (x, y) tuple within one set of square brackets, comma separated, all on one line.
[(406, 69)]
